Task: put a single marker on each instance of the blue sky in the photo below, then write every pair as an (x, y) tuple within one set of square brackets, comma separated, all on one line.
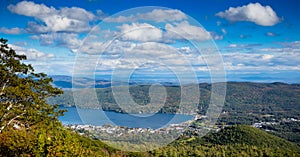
[(257, 40)]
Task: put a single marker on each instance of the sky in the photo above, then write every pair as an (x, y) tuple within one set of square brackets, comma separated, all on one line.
[(257, 41)]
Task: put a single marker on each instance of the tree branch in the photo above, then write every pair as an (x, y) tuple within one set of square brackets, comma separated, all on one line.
[(6, 111), (10, 121), (4, 86)]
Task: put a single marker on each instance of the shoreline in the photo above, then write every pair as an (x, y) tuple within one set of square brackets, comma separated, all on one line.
[(117, 111)]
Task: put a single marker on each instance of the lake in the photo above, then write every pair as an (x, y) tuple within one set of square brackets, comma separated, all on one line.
[(99, 117)]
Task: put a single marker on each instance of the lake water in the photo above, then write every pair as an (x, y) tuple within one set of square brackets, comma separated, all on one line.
[(99, 117)]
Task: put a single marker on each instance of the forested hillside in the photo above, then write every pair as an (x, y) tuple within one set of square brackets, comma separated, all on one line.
[(245, 102), (238, 140)]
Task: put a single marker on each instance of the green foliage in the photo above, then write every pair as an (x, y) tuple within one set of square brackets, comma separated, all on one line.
[(237, 140), (287, 130), (247, 103), (47, 141), (54, 140), (242, 134), (23, 92), (15, 143), (235, 150)]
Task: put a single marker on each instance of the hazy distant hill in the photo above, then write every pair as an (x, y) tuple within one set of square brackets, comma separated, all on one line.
[(63, 81)]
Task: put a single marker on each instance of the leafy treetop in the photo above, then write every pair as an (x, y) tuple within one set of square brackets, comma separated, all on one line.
[(23, 92)]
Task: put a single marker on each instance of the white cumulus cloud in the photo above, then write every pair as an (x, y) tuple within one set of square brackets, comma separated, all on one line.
[(32, 54), (184, 30), (140, 32), (65, 19), (253, 12), (14, 30), (158, 15)]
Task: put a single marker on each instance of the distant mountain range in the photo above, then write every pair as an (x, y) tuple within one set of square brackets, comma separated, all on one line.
[(65, 82)]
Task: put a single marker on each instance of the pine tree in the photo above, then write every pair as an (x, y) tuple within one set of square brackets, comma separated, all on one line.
[(23, 93)]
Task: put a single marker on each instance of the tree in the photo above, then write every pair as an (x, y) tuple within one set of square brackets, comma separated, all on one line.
[(23, 93)]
